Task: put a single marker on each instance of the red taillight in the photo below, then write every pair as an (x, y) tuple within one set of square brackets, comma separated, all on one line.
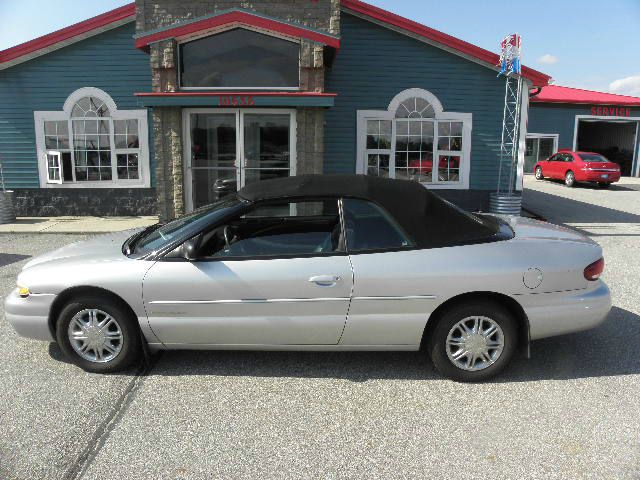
[(593, 271)]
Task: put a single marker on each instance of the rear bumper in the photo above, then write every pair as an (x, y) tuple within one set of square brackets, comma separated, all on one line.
[(552, 314), (598, 177), (29, 316)]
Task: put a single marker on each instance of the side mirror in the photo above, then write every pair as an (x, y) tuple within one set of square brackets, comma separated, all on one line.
[(190, 248)]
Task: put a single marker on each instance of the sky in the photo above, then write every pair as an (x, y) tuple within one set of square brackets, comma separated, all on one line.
[(590, 44)]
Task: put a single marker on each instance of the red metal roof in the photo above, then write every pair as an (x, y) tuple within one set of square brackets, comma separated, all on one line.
[(82, 29), (558, 94), (538, 78), (67, 34)]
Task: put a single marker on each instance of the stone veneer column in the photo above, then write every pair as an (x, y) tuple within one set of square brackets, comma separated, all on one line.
[(167, 121), (167, 133), (310, 121)]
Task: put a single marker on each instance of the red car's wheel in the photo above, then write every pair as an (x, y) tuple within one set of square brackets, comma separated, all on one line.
[(539, 175), (570, 179)]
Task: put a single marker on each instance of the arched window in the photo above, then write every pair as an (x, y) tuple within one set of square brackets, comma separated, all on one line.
[(415, 107), (404, 140), (92, 143)]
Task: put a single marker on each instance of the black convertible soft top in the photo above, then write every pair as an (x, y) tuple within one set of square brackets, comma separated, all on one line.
[(427, 218)]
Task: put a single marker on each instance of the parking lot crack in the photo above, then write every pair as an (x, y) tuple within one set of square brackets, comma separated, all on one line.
[(100, 436)]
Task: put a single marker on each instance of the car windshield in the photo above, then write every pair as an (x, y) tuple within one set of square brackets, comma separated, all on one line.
[(592, 157), (159, 236)]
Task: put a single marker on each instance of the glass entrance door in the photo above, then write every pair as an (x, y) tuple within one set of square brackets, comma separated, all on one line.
[(214, 156), (227, 149), (266, 148)]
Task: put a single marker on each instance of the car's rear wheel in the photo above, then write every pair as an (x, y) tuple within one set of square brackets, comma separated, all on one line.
[(98, 334), (538, 173), (570, 179), (473, 342)]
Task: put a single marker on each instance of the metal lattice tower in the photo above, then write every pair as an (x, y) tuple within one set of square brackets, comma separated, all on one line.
[(509, 144)]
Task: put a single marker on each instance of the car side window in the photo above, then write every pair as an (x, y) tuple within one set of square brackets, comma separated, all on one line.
[(274, 229), (568, 157), (369, 227), (555, 158)]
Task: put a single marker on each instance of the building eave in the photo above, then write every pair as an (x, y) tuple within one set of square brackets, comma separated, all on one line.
[(239, 17), (67, 36), (558, 94), (436, 38)]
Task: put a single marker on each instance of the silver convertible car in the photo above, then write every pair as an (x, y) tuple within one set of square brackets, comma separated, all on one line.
[(324, 262)]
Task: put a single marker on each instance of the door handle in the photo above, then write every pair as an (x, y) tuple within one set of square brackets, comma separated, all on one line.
[(325, 280)]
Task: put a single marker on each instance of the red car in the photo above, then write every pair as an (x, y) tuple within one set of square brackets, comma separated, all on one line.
[(575, 167)]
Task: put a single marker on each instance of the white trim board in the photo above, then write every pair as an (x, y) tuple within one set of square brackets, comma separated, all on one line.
[(114, 114), (389, 114)]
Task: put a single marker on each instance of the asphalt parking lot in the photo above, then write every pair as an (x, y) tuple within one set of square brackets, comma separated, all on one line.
[(571, 411)]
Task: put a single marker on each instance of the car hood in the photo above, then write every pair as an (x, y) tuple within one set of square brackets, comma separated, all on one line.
[(528, 228), (97, 249)]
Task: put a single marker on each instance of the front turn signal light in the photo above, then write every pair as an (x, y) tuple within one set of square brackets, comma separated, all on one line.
[(23, 292)]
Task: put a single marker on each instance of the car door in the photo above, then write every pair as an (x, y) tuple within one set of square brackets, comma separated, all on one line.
[(551, 167), (392, 294), (276, 275), (565, 165)]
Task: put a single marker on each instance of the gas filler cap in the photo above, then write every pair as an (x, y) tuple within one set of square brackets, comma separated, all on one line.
[(532, 278)]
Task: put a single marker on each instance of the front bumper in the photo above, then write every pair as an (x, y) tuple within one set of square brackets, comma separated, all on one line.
[(30, 316), (552, 314)]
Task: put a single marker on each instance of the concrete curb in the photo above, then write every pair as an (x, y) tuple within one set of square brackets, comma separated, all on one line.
[(76, 224)]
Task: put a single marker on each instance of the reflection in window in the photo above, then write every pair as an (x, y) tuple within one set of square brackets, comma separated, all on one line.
[(536, 149), (369, 227), (284, 228), (404, 142), (92, 149), (239, 58), (378, 148), (91, 145)]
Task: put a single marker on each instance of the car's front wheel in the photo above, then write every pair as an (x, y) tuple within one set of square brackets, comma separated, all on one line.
[(98, 334), (570, 179), (473, 342), (539, 175)]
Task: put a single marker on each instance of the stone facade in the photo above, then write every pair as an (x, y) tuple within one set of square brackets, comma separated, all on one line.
[(50, 202), (167, 132), (319, 14)]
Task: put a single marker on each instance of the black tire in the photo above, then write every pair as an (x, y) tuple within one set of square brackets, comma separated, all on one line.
[(604, 184), (437, 343), (538, 174), (131, 342), (570, 179)]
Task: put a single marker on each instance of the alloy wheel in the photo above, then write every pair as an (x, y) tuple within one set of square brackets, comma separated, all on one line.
[(569, 179), (95, 335), (538, 173), (475, 343)]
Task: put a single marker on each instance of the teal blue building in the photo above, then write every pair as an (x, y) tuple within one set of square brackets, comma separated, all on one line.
[(158, 108)]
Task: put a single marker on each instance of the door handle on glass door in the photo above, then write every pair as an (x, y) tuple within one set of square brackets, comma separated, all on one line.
[(325, 280)]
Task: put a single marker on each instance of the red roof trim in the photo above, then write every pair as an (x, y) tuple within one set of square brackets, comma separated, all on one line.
[(384, 16), (67, 33), (237, 17), (559, 94), (245, 93)]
